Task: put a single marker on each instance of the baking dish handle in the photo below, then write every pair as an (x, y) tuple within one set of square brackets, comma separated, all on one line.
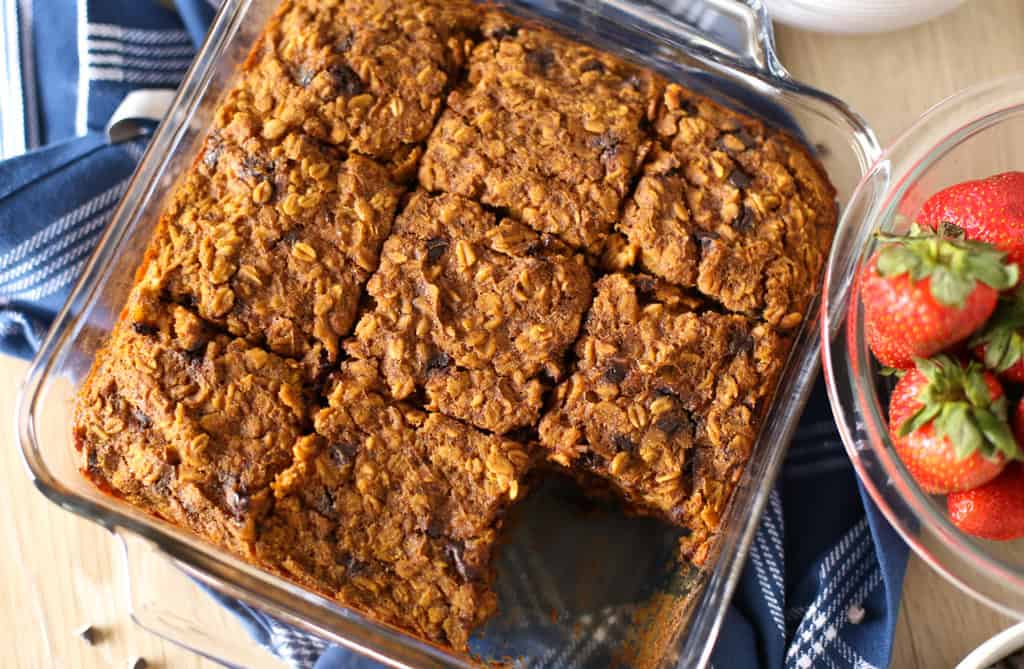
[(740, 30)]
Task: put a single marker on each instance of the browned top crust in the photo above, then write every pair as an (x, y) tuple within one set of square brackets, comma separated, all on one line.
[(394, 510), (274, 239), (667, 400), (739, 211), (368, 76), (473, 311), (190, 425), (546, 128)]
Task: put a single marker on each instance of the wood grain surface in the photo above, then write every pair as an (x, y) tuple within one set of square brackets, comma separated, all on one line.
[(59, 572)]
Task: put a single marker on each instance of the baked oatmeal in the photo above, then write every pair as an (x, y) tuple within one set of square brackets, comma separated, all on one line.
[(189, 424), (274, 240), (728, 206), (394, 510), (666, 402), (546, 128), (473, 310)]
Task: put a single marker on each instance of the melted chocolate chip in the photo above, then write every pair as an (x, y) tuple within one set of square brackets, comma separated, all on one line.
[(665, 392), (354, 566), (303, 76), (92, 461), (504, 31), (745, 221), (615, 372), (541, 58), (346, 81), (609, 143), (593, 66), (706, 238), (435, 528), (344, 44), (438, 362), (141, 418), (237, 500), (342, 453), (740, 341), (436, 247), (623, 443), (646, 290), (144, 329), (254, 168), (324, 504), (589, 460), (672, 422), (740, 179)]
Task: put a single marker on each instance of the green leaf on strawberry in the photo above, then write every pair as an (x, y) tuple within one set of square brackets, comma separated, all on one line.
[(957, 401), (953, 265), (1002, 339)]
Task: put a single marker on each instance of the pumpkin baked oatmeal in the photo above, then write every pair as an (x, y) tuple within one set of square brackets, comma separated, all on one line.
[(666, 401), (473, 310), (394, 510), (425, 246)]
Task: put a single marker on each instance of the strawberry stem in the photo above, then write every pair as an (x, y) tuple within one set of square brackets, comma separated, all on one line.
[(953, 265), (957, 401)]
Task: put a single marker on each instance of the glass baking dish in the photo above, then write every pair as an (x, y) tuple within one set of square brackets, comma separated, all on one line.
[(675, 612)]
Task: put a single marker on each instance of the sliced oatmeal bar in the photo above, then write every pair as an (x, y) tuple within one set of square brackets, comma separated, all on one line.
[(369, 76), (739, 211), (188, 424), (546, 128), (274, 240), (667, 401), (393, 511), (473, 311)]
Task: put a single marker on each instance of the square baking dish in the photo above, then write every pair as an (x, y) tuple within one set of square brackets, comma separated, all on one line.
[(665, 614)]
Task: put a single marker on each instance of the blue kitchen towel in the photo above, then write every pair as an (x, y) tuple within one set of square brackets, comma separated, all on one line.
[(822, 584)]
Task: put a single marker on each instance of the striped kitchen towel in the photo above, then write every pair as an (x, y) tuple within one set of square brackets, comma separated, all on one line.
[(822, 584)]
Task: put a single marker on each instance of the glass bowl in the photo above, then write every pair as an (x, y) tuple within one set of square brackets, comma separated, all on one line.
[(970, 135)]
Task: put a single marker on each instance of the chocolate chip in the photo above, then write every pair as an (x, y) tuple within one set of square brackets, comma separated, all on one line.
[(436, 247), (504, 31), (254, 168), (646, 290), (745, 221), (324, 504), (438, 362), (593, 66), (740, 179), (92, 460), (212, 155), (455, 551), (344, 44), (144, 329), (706, 238), (690, 107), (609, 143), (141, 418), (353, 566), (665, 392), (342, 453), (346, 81), (589, 460), (435, 528), (188, 302), (740, 341), (237, 501), (541, 58), (672, 422), (303, 76), (615, 372), (623, 443)]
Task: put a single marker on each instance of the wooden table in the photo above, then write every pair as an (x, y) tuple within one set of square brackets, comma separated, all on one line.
[(890, 79)]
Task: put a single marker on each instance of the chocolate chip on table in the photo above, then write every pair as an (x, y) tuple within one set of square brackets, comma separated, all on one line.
[(740, 179), (436, 247)]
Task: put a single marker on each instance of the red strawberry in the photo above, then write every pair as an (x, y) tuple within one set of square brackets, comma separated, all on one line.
[(1001, 344), (948, 424), (988, 210), (993, 511), (925, 292)]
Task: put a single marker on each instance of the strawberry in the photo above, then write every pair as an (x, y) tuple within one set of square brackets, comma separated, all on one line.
[(988, 210), (994, 510), (926, 292), (948, 424), (1001, 344)]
